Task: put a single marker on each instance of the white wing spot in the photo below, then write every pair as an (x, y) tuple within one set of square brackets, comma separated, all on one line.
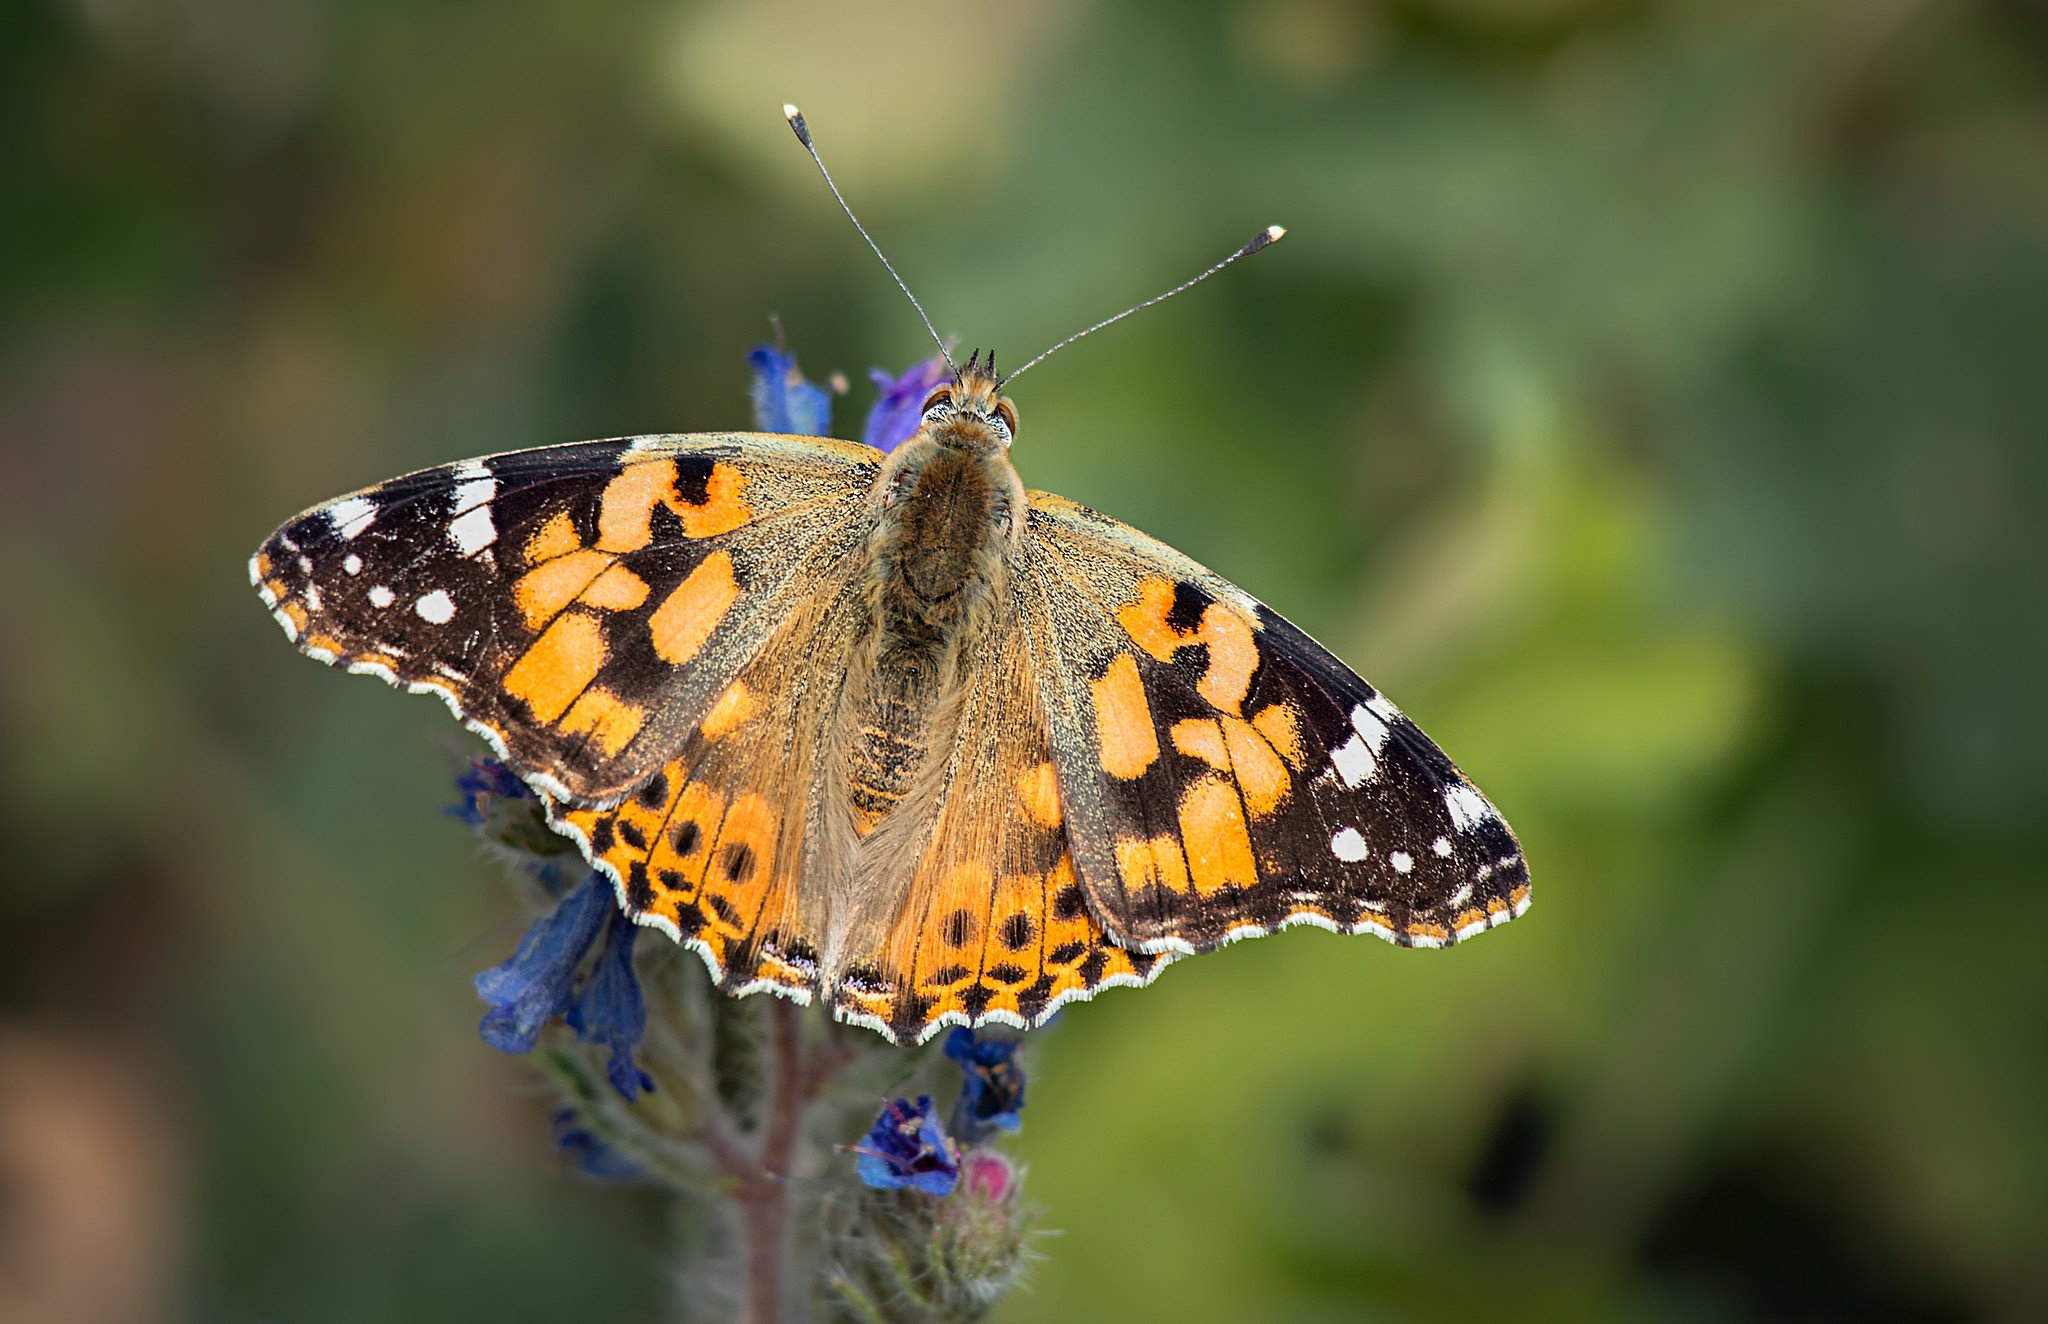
[(312, 597), (1401, 860), (1468, 808), (1348, 845), (352, 564), (473, 530), (1442, 846), (381, 597), (1383, 706), (351, 515), (1368, 725), (1354, 762), (436, 608)]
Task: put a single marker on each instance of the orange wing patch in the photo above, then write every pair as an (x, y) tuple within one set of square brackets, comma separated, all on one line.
[(1233, 654), (1038, 790), (730, 712), (1123, 721), (1212, 829), (558, 666), (689, 614), (625, 517)]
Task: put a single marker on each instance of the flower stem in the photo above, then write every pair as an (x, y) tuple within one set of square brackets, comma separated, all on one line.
[(765, 1194)]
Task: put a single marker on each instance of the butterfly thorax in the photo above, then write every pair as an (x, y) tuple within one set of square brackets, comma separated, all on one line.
[(949, 512)]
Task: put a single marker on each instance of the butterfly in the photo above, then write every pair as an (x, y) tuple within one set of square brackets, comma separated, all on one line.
[(891, 731)]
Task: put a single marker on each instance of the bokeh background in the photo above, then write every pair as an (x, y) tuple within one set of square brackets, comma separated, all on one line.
[(1649, 395)]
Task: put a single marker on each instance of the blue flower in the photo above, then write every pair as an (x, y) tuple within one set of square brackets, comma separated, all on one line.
[(590, 1156), (482, 783), (783, 400), (992, 1091), (898, 412), (907, 1147), (539, 983), (610, 1011)]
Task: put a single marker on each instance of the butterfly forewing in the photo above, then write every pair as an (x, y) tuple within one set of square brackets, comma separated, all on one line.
[(580, 606), (1226, 776)]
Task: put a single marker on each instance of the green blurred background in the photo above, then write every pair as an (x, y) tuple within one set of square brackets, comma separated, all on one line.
[(1649, 395)]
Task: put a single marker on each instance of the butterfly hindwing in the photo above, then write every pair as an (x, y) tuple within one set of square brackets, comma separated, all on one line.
[(993, 924), (580, 606), (1226, 776)]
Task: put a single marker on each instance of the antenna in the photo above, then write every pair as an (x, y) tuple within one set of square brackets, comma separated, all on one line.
[(803, 135), (1258, 241)]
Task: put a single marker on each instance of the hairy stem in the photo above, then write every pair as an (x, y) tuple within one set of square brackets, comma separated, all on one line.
[(764, 1195)]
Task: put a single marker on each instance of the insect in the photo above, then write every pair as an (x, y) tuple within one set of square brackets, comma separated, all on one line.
[(893, 731)]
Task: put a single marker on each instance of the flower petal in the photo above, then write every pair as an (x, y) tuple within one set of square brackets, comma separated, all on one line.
[(535, 985), (992, 1084), (610, 1009), (783, 400), (899, 410), (907, 1147)]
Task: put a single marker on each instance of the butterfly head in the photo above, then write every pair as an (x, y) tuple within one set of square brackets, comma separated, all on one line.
[(970, 412)]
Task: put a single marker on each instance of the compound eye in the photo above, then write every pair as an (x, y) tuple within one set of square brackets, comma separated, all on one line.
[(938, 404), (1004, 421)]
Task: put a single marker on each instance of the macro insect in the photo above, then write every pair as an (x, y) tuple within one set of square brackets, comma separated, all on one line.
[(892, 731)]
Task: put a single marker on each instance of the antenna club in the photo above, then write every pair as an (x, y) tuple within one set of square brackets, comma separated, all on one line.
[(796, 121), (1270, 234)]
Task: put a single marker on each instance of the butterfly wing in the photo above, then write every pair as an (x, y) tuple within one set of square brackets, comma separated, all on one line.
[(1224, 775), (581, 607), (713, 847), (992, 924)]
